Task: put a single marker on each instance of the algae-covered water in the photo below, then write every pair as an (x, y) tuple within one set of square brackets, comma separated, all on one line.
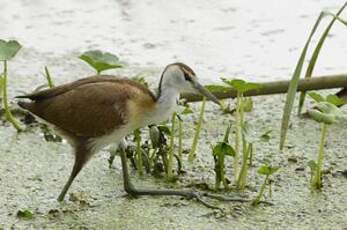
[(256, 41)]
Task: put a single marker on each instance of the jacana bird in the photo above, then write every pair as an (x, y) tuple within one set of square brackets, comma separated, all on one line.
[(94, 112)]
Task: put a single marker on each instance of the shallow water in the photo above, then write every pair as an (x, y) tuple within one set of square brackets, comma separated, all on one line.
[(257, 41)]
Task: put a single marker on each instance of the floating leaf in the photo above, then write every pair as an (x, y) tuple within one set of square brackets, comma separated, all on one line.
[(25, 214), (101, 61), (241, 85), (8, 49), (268, 170), (223, 148)]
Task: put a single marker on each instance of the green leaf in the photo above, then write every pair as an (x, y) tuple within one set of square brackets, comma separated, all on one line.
[(187, 110), (25, 214), (333, 99), (321, 117), (316, 96), (217, 88), (241, 85), (101, 61), (137, 134), (268, 169), (8, 49), (227, 133), (326, 112), (154, 135), (247, 131), (293, 86), (164, 129), (266, 136), (223, 148)]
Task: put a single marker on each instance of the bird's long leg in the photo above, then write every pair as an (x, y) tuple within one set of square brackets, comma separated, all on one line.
[(131, 190), (81, 156)]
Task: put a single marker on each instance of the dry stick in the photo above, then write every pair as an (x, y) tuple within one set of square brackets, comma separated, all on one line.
[(279, 87)]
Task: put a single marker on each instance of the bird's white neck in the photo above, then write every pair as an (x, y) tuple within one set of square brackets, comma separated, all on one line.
[(166, 104)]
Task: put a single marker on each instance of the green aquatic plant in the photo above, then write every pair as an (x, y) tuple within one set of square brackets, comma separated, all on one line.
[(171, 148), (8, 49), (187, 110), (1, 86), (220, 151), (298, 69), (192, 152), (318, 48), (49, 78), (101, 61), (326, 113), (242, 105), (139, 160), (267, 171), (25, 214), (331, 98)]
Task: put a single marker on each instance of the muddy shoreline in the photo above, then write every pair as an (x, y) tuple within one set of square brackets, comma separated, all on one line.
[(228, 38)]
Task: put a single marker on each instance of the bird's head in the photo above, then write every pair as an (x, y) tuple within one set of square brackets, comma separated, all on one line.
[(182, 78)]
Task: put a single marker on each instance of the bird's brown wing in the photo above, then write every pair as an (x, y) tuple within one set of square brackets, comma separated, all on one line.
[(89, 110), (55, 91)]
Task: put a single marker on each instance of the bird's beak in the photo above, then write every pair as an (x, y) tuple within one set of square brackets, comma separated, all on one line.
[(203, 91)]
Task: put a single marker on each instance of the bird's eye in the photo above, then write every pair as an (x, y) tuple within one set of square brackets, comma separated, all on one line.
[(187, 77)]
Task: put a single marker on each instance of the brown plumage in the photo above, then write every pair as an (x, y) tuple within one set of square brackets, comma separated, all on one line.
[(85, 103), (89, 109)]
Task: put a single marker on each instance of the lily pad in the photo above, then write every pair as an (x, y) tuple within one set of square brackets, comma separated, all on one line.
[(8, 49), (101, 61)]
